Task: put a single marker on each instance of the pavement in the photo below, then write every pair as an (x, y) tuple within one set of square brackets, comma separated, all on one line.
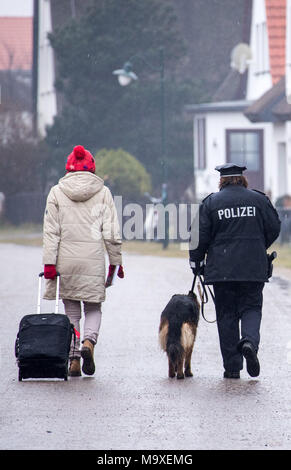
[(130, 403)]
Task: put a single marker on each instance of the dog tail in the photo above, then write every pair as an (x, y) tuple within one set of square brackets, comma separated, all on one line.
[(175, 351), (175, 348), (170, 339)]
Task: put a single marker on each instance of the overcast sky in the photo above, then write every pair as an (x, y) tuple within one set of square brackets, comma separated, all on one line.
[(16, 7)]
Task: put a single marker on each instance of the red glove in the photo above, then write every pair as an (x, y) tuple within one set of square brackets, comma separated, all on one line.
[(120, 272), (111, 271), (50, 271)]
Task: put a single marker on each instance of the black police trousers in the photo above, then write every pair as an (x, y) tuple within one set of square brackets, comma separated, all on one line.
[(238, 308)]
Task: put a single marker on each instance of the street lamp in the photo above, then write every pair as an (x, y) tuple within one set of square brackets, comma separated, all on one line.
[(125, 77)]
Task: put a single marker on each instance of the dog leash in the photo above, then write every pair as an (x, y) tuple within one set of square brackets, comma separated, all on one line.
[(203, 295)]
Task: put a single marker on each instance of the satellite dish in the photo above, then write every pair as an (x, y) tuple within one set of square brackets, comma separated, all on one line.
[(241, 56)]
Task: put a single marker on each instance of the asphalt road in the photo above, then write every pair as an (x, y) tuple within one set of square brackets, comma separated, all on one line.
[(130, 403)]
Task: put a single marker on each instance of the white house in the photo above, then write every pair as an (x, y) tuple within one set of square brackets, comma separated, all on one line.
[(240, 124), (45, 93), (49, 15)]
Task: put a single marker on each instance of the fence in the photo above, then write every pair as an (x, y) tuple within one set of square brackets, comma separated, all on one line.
[(139, 220), (25, 208), (155, 221)]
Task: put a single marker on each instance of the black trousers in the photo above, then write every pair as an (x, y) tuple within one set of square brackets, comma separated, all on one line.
[(238, 311)]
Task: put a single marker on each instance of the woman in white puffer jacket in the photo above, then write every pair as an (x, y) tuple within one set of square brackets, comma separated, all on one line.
[(80, 220)]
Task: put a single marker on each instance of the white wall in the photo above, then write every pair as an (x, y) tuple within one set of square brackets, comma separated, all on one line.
[(288, 51), (259, 76), (288, 152), (46, 99), (16, 8), (281, 182), (216, 124)]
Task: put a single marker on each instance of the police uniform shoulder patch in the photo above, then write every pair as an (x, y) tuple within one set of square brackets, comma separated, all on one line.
[(203, 200), (264, 194), (261, 192), (267, 197)]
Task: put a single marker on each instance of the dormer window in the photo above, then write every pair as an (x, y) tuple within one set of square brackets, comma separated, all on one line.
[(262, 49)]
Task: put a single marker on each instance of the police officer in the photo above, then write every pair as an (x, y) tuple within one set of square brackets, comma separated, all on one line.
[(236, 227)]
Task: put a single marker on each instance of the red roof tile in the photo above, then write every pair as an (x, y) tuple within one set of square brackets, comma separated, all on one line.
[(276, 22), (15, 43)]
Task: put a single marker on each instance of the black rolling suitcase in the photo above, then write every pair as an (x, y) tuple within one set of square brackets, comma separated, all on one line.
[(43, 342)]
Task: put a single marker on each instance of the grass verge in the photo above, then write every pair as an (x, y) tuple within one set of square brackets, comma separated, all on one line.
[(31, 235), (25, 234), (283, 259)]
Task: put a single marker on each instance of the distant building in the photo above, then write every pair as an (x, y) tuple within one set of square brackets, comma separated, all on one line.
[(49, 15), (247, 121), (16, 43), (15, 76), (45, 102)]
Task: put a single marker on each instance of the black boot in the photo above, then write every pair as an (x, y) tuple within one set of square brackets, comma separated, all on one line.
[(250, 354), (87, 354), (231, 375)]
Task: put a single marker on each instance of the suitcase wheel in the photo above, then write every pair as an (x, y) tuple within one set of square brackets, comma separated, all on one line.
[(19, 376)]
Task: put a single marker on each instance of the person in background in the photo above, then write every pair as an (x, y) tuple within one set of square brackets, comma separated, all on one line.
[(2, 205), (236, 227), (80, 219)]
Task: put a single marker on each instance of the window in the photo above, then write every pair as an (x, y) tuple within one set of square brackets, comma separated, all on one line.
[(200, 144), (244, 148), (262, 50)]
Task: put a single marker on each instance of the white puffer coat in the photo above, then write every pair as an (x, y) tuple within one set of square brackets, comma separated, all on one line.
[(80, 218)]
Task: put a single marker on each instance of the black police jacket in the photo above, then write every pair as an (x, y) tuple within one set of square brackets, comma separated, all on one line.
[(236, 226)]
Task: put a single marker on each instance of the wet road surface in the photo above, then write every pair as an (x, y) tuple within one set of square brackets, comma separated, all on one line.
[(130, 403)]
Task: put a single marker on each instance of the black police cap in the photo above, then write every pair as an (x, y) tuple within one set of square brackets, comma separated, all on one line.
[(229, 169)]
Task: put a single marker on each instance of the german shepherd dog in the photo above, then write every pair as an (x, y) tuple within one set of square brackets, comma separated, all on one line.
[(177, 332)]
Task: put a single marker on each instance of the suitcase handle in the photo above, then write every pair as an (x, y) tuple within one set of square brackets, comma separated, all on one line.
[(57, 292)]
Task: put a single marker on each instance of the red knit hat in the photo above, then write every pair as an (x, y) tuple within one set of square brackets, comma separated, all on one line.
[(80, 160)]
